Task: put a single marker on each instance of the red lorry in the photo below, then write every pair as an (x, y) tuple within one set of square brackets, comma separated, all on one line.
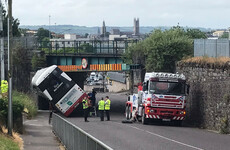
[(161, 97)]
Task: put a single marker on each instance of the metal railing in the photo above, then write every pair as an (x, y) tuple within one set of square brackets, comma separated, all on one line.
[(67, 47), (75, 138)]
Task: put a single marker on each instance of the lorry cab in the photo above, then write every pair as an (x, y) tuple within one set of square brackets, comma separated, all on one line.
[(163, 97)]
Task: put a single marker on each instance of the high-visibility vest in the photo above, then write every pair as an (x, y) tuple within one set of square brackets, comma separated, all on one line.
[(4, 86), (85, 105), (101, 105), (107, 104)]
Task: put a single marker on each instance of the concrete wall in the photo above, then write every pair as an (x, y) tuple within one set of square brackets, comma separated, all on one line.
[(206, 105), (138, 76)]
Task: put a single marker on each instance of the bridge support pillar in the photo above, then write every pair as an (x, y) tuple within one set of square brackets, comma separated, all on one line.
[(136, 76)]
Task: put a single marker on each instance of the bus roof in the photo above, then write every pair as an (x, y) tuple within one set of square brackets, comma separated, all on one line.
[(42, 74)]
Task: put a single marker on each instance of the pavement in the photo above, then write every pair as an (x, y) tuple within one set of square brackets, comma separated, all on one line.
[(38, 133)]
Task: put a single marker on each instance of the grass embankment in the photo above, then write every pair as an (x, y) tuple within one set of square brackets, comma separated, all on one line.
[(7, 143), (10, 143), (210, 62)]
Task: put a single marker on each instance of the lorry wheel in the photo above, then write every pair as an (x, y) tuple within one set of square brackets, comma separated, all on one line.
[(128, 113), (144, 120)]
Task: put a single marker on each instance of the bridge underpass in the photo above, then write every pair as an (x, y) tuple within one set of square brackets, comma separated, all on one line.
[(78, 58)]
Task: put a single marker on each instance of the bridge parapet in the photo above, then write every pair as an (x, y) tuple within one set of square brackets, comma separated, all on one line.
[(67, 47)]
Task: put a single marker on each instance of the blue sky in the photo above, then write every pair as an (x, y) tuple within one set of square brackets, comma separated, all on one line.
[(192, 13)]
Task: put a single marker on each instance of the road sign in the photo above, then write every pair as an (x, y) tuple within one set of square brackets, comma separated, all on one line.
[(84, 63)]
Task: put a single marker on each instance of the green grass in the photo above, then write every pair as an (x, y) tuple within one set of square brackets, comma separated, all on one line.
[(7, 143), (28, 103)]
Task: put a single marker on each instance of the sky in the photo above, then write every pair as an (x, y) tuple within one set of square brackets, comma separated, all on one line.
[(191, 13)]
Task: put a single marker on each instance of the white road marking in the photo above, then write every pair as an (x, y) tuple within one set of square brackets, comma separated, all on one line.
[(163, 137)]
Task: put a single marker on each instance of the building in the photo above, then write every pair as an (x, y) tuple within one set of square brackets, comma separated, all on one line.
[(31, 32), (117, 82), (136, 28), (117, 37), (115, 32), (218, 33), (70, 36), (103, 28), (70, 40)]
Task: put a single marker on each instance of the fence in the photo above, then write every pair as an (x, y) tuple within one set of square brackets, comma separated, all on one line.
[(211, 48), (63, 47), (75, 138)]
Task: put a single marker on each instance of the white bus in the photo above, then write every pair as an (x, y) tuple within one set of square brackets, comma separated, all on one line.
[(58, 88)]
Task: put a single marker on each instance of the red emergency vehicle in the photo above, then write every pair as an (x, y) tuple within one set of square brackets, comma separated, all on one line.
[(163, 97)]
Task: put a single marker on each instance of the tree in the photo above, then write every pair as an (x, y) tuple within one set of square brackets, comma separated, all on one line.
[(45, 42), (15, 25), (196, 34), (135, 54), (21, 69), (225, 35), (86, 35), (86, 47), (42, 33), (38, 61), (161, 50)]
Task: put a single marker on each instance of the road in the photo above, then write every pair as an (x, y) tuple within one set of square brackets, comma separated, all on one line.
[(148, 137)]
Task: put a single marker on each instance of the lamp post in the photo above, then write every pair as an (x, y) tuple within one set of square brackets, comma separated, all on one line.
[(2, 45), (10, 37)]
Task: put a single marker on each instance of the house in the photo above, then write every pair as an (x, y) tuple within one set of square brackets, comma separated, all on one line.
[(117, 82)]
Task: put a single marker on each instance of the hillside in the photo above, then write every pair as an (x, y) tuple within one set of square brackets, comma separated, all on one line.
[(81, 30)]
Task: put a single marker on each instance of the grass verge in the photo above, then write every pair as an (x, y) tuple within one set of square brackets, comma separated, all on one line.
[(10, 143)]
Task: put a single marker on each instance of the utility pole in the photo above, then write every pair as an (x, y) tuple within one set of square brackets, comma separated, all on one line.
[(55, 32), (2, 44), (10, 38), (49, 26)]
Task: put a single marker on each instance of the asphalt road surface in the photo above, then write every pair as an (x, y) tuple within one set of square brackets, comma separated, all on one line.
[(136, 136)]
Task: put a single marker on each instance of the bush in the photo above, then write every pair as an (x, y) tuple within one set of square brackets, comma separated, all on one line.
[(20, 102), (28, 103), (227, 98), (224, 128), (17, 110)]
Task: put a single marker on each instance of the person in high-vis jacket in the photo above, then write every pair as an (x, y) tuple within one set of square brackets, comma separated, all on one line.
[(101, 108), (4, 88), (85, 108), (107, 107)]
